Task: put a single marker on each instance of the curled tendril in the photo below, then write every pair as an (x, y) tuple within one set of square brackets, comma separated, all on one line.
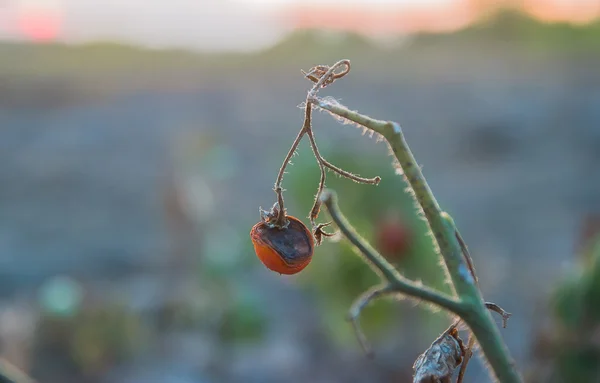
[(326, 73)]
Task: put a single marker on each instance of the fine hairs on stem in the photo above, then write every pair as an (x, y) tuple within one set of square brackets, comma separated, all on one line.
[(322, 76), (441, 360)]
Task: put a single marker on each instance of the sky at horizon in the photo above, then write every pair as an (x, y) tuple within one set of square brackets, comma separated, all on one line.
[(210, 25)]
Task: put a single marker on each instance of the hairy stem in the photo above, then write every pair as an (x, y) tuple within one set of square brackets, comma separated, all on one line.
[(462, 279), (472, 308), (353, 177), (397, 282), (281, 220)]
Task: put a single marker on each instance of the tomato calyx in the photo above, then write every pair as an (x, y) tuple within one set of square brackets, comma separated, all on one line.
[(269, 217), (319, 233)]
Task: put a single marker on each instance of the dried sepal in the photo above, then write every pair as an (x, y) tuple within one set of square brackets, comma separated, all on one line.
[(319, 233), (439, 362)]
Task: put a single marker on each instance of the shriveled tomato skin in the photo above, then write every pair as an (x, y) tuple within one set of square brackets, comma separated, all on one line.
[(283, 250)]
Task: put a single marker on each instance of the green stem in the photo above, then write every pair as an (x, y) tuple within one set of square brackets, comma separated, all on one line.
[(484, 328), (442, 226), (396, 281)]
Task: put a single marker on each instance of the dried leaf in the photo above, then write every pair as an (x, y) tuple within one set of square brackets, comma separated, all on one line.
[(438, 363)]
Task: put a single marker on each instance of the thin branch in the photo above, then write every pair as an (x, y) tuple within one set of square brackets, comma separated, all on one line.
[(397, 282), (467, 256), (471, 342), (466, 359), (354, 177), (322, 76), (329, 76), (314, 211), (358, 306), (281, 220)]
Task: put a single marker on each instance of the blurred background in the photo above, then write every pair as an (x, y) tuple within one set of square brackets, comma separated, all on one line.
[(139, 138)]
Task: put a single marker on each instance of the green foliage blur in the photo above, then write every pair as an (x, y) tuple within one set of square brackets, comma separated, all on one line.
[(91, 340), (572, 347)]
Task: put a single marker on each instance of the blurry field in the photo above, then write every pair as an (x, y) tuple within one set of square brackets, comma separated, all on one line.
[(134, 176)]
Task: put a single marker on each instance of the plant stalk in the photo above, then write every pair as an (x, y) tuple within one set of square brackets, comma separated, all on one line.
[(475, 313)]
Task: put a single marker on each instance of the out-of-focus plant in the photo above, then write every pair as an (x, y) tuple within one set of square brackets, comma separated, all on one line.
[(284, 245), (93, 339), (226, 304), (230, 306), (105, 335), (568, 350)]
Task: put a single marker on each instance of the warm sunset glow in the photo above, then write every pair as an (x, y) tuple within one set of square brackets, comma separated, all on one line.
[(577, 11), (406, 16), (247, 25), (39, 26), (384, 19)]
